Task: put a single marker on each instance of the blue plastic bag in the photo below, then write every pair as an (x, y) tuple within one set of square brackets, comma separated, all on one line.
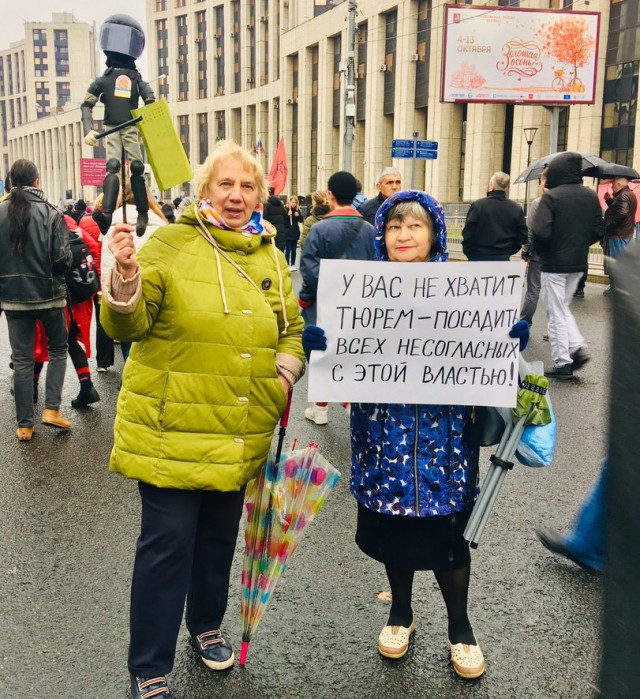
[(538, 443)]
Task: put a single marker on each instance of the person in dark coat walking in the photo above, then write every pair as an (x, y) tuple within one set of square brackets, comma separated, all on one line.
[(495, 227), (567, 221), (276, 214), (388, 182), (294, 221)]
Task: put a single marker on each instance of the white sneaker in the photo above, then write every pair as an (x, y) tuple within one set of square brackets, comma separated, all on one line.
[(317, 414)]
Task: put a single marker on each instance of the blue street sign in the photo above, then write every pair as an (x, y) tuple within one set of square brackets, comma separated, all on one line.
[(426, 154), (402, 143), (427, 145), (402, 152)]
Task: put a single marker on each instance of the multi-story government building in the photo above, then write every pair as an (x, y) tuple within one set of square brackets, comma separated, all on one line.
[(43, 80), (254, 70)]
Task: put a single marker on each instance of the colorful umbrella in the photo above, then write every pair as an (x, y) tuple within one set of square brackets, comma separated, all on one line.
[(280, 504)]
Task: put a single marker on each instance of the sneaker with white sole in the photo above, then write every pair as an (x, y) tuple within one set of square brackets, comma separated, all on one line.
[(214, 651), (318, 414)]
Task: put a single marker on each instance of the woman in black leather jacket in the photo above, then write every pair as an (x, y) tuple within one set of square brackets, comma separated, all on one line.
[(34, 255)]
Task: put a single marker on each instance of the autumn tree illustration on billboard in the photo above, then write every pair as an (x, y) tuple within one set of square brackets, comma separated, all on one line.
[(570, 42)]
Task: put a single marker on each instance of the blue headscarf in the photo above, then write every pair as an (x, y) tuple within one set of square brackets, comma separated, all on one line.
[(439, 251)]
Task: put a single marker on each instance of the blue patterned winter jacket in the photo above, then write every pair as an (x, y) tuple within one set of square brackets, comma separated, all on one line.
[(411, 460)]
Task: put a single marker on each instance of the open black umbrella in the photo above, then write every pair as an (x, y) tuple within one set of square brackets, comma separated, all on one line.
[(610, 170), (535, 169)]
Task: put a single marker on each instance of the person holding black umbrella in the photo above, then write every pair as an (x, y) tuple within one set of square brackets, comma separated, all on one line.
[(619, 220), (566, 222)]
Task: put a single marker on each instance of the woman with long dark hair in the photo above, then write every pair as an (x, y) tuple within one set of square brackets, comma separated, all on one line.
[(34, 255)]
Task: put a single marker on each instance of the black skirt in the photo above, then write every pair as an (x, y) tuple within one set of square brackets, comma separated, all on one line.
[(414, 543)]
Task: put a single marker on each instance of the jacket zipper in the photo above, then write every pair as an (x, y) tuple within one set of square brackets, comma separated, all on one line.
[(415, 462), (163, 405), (449, 431)]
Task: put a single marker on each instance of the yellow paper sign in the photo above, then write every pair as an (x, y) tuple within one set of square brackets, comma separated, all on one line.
[(166, 155)]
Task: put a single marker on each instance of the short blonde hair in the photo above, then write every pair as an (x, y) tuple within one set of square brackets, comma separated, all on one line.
[(226, 150)]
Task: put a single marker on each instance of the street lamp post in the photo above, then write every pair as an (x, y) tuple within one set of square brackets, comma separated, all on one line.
[(529, 135)]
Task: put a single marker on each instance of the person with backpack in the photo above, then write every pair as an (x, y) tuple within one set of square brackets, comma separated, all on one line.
[(342, 234), (34, 257)]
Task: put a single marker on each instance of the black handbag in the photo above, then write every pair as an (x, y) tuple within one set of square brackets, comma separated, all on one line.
[(484, 427)]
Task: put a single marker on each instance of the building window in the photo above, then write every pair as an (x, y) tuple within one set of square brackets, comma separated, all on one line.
[(422, 54), (42, 99), (162, 39), (221, 126), (390, 42), (563, 129), (251, 31), (161, 5), (2, 91), (219, 49), (61, 44), (203, 136), (39, 37), (620, 101), (237, 58), (10, 75), (3, 123), (183, 132), (181, 3), (183, 58), (337, 104), (63, 94), (201, 47), (322, 6), (361, 72), (264, 20)]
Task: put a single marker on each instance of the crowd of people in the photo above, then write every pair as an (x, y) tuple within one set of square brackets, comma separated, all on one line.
[(200, 401)]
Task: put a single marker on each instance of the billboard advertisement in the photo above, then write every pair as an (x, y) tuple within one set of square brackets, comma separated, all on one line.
[(495, 54), (92, 171)]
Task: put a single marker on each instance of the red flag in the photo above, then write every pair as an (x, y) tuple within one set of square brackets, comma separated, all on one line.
[(279, 170)]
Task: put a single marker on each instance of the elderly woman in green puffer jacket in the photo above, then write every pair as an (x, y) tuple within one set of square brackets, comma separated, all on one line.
[(209, 305)]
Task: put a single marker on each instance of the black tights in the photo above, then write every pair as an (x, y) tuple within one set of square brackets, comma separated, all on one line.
[(454, 586)]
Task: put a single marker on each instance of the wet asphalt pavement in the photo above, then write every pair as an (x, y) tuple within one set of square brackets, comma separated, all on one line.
[(68, 529)]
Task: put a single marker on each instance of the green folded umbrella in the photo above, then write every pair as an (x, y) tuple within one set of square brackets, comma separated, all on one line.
[(532, 401)]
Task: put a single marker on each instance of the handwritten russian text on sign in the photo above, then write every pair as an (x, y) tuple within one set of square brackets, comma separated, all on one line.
[(402, 332)]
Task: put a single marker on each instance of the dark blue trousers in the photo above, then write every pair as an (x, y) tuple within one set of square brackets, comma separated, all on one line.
[(185, 549)]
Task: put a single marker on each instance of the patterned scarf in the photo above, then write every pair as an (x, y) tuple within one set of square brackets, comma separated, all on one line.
[(255, 225), (32, 190)]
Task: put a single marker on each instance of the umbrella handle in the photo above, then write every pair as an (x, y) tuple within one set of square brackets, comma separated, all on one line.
[(244, 649), (284, 420)]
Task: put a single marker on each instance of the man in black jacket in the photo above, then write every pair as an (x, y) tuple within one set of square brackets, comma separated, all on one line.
[(276, 214), (567, 221), (388, 182), (619, 219), (495, 227)]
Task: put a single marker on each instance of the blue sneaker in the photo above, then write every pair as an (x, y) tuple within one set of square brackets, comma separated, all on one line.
[(150, 688), (215, 652)]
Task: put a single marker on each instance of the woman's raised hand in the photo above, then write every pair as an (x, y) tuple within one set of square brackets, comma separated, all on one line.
[(123, 249)]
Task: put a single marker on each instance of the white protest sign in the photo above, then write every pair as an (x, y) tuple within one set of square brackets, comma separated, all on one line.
[(430, 333)]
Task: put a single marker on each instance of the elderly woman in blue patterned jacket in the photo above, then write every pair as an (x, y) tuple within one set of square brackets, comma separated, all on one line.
[(413, 469)]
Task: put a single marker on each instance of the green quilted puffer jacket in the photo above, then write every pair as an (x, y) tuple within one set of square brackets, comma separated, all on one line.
[(200, 395)]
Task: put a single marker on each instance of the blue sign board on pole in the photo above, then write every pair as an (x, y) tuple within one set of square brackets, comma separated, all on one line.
[(402, 152), (423, 154), (402, 143), (408, 148)]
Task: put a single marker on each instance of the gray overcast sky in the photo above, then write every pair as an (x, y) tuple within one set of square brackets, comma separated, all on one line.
[(16, 13)]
